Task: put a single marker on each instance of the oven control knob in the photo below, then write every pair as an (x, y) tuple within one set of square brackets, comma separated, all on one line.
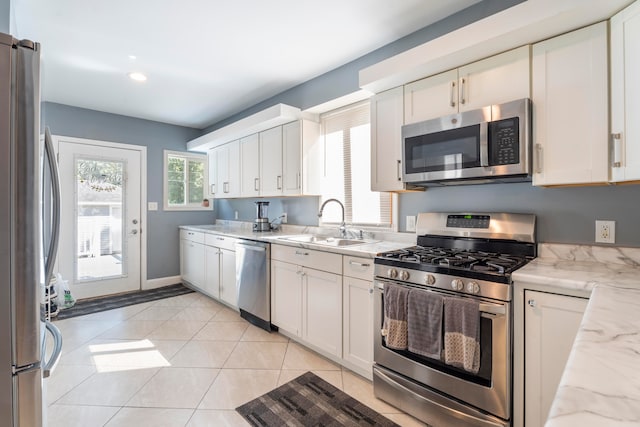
[(404, 275), (429, 279), (473, 287), (392, 272), (457, 285)]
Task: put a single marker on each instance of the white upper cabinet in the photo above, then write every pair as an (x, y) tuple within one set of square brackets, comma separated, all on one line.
[(292, 158), (570, 108), (224, 170), (625, 94), (386, 141), (250, 166), (494, 80), (271, 162)]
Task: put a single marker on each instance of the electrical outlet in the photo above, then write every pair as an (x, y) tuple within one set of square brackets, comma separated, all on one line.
[(411, 223), (284, 218), (605, 231), (152, 206)]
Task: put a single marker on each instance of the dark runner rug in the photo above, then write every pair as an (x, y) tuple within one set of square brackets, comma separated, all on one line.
[(309, 401), (96, 305)]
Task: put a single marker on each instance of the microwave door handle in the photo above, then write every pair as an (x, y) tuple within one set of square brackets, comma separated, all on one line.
[(484, 144)]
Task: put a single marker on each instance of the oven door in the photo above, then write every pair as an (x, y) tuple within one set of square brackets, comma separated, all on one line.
[(452, 147), (489, 390)]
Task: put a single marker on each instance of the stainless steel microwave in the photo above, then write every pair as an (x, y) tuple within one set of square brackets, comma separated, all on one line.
[(491, 144)]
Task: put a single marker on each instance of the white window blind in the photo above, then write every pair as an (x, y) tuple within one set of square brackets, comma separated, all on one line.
[(347, 137)]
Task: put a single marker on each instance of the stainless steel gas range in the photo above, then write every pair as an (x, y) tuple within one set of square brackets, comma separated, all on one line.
[(462, 261)]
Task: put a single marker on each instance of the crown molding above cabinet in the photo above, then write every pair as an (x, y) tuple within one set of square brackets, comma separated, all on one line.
[(271, 117)]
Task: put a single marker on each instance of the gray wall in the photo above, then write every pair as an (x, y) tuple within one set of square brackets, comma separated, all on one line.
[(162, 227), (299, 210), (564, 215), (5, 13)]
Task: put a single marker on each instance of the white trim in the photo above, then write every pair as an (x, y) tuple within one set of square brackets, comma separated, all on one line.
[(165, 180), (57, 139), (162, 282)]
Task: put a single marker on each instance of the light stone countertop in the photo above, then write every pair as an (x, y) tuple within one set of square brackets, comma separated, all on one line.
[(380, 242), (600, 385)]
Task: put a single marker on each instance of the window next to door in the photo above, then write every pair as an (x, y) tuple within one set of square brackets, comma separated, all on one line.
[(185, 181)]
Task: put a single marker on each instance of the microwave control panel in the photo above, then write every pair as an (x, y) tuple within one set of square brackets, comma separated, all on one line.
[(504, 142)]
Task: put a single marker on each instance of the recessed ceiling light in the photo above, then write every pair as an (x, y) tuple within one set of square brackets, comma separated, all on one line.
[(139, 77)]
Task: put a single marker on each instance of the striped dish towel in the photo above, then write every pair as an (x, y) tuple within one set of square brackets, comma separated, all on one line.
[(462, 333), (394, 327)]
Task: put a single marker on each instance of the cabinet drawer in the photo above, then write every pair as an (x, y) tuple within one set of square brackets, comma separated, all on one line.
[(318, 260), (220, 241), (360, 268), (194, 236)]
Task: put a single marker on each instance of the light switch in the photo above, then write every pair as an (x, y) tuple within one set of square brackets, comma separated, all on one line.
[(152, 206)]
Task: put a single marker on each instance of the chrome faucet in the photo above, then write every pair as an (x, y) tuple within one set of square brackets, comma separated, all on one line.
[(343, 226)]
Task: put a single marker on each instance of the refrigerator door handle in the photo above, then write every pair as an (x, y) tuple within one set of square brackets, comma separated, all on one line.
[(55, 199), (50, 365)]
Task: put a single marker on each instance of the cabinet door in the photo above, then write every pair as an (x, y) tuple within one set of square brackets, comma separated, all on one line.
[(222, 171), (228, 288), (286, 297), (233, 169), (358, 323), (322, 312), (250, 170), (500, 78), (431, 98), (551, 323), (571, 114), (212, 271), (271, 162), (212, 159), (292, 158), (386, 140), (193, 263), (625, 94)]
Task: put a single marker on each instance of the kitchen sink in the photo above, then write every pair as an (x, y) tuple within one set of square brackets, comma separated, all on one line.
[(326, 241)]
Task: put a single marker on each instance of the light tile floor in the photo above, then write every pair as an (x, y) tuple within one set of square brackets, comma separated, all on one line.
[(181, 361)]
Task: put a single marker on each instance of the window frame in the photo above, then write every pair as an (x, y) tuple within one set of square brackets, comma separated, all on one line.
[(188, 156), (392, 225)]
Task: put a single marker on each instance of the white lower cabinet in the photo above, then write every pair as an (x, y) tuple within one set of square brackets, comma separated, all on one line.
[(286, 297), (357, 335), (208, 263), (551, 322), (322, 310)]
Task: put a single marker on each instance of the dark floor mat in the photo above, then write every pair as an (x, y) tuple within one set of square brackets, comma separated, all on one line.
[(310, 401), (96, 305)]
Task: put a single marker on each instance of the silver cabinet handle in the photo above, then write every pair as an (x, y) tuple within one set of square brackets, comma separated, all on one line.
[(225, 187), (213, 188), (538, 158), (302, 253), (532, 303), (134, 232), (279, 182), (462, 96), (359, 264), (617, 149), (50, 365), (399, 170), (219, 238), (452, 97), (256, 184), (298, 180), (370, 290)]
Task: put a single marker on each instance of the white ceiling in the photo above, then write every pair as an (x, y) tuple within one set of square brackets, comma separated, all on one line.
[(205, 60)]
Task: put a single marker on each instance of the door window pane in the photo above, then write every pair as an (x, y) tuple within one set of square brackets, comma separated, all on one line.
[(100, 240)]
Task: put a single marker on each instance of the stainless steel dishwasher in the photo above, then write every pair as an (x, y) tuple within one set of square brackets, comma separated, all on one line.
[(253, 280)]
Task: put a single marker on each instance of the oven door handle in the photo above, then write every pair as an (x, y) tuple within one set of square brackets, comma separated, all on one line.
[(484, 144), (485, 308)]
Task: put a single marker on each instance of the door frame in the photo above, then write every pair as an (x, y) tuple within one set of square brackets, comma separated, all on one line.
[(57, 139)]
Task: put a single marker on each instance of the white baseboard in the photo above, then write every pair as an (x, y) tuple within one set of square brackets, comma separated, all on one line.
[(162, 281)]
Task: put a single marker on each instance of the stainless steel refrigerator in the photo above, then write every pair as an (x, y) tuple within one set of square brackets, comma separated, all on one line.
[(26, 254)]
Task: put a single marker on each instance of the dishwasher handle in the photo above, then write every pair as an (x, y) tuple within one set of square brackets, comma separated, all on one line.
[(260, 247)]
